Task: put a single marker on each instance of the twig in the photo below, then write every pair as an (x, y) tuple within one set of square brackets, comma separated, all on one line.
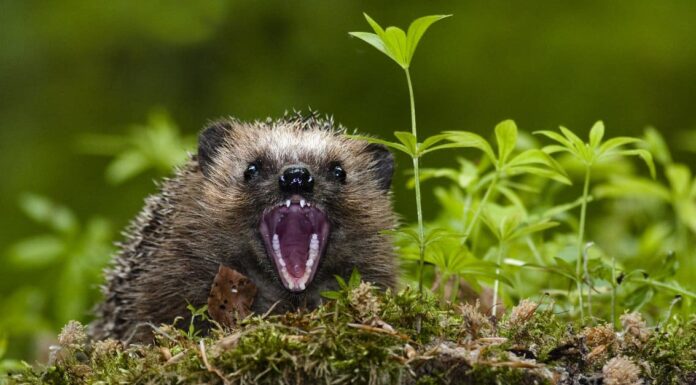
[(270, 310), (378, 330), (210, 368)]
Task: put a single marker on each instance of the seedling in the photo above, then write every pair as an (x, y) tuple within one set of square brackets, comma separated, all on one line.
[(400, 46), (589, 154)]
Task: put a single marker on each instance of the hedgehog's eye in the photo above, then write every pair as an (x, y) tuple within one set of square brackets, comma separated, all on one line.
[(252, 170), (337, 172)]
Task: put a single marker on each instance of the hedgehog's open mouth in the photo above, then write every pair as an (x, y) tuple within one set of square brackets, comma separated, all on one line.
[(295, 235)]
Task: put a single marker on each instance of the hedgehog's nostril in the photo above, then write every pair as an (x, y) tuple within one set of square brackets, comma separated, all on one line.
[(296, 180)]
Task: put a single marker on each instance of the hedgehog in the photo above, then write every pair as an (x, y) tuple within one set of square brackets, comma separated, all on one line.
[(290, 203)]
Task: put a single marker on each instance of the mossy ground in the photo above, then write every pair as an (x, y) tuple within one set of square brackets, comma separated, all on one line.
[(369, 337)]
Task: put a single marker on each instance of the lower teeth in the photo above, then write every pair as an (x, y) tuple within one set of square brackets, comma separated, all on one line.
[(300, 283)]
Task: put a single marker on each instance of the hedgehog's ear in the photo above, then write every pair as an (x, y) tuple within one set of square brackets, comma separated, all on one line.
[(209, 142), (383, 164)]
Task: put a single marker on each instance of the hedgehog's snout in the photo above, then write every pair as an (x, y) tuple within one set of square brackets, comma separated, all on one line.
[(296, 180)]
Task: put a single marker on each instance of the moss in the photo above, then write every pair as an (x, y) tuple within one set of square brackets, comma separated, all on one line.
[(538, 330), (370, 337), (671, 352)]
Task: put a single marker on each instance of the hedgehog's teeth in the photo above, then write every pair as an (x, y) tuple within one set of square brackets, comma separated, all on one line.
[(288, 279), (287, 203), (302, 203), (276, 250), (302, 284), (313, 251)]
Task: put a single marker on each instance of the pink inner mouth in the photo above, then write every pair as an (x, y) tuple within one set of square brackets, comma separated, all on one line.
[(295, 235)]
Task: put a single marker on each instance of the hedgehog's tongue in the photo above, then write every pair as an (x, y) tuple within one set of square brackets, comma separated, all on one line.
[(294, 234)]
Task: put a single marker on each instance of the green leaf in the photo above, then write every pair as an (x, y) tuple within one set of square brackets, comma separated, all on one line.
[(558, 138), (371, 39), (553, 269), (679, 177), (354, 280), (538, 171), (375, 26), (432, 173), (639, 297), (430, 142), (438, 234), (535, 156), (596, 134), (581, 149), (37, 251), (416, 31), (394, 145), (392, 41), (614, 143), (533, 228), (395, 41), (512, 197), (655, 143), (126, 166), (43, 211), (408, 140), (341, 282), (331, 294), (469, 139), (645, 155), (408, 233), (506, 136), (622, 187), (440, 147), (555, 148)]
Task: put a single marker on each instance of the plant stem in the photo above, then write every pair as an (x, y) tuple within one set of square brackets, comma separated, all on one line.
[(414, 131), (587, 278), (416, 177), (496, 285), (613, 291), (581, 241), (479, 209), (455, 289), (683, 292)]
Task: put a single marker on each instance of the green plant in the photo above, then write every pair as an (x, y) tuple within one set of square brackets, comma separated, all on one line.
[(400, 47), (77, 251), (532, 161), (589, 154), (7, 364), (157, 145), (507, 224)]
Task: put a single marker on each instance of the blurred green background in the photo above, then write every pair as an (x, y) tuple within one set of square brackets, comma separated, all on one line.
[(84, 79)]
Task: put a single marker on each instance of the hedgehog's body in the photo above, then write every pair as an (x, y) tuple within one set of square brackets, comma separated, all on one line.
[(289, 203)]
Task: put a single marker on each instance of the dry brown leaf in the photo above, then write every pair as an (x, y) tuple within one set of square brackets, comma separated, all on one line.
[(231, 297)]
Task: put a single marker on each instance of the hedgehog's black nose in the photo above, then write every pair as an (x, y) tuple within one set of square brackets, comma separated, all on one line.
[(296, 180)]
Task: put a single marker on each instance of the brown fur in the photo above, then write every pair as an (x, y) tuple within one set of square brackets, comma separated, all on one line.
[(198, 221)]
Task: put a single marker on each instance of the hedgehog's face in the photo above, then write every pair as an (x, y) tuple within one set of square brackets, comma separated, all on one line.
[(297, 190)]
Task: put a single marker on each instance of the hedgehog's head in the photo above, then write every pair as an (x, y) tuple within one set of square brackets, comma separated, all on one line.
[(310, 201)]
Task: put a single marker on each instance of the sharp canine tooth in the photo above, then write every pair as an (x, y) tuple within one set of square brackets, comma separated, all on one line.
[(287, 203), (302, 285), (302, 203), (276, 250)]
